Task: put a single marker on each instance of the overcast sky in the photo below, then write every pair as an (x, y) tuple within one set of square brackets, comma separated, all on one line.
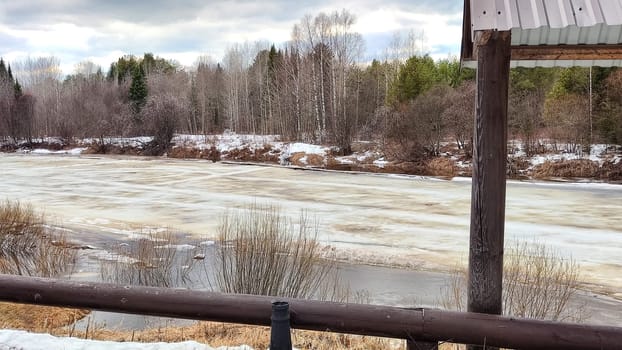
[(103, 30)]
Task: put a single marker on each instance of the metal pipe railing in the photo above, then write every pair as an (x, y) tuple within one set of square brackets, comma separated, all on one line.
[(414, 325)]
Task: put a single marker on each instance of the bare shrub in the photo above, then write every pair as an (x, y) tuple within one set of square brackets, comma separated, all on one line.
[(401, 139), (28, 246), (458, 117), (162, 115), (537, 283), (611, 171), (154, 259), (517, 167), (260, 252), (567, 118)]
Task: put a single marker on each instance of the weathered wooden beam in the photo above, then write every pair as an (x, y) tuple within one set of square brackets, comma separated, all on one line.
[(567, 52), (466, 49), (489, 172), (421, 326)]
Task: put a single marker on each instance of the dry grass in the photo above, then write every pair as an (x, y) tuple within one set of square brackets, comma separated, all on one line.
[(225, 334), (37, 318), (441, 166), (411, 168), (304, 159), (583, 168), (44, 319)]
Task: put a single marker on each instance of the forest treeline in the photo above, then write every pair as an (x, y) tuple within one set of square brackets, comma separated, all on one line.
[(314, 88)]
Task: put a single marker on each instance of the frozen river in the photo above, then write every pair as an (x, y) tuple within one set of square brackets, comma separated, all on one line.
[(408, 221)]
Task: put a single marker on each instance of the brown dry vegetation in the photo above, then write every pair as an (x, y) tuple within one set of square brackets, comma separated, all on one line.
[(441, 167), (224, 334), (53, 320), (260, 241), (28, 247), (37, 318), (314, 160), (611, 171), (537, 283), (583, 168), (98, 148), (517, 167), (245, 154), (211, 153)]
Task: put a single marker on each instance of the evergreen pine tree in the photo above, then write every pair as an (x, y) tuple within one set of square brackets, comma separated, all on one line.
[(3, 72), (272, 57), (10, 74), (138, 90), (18, 89)]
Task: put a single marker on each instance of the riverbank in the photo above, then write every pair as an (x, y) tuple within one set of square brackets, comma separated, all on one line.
[(553, 162)]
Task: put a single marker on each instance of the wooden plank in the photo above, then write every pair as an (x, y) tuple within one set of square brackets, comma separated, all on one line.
[(567, 52), (489, 173), (466, 50), (426, 325)]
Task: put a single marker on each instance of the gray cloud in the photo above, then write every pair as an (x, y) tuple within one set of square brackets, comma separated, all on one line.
[(163, 26)]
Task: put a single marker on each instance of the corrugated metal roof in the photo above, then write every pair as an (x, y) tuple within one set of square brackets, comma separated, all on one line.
[(554, 63), (552, 22), (532, 14)]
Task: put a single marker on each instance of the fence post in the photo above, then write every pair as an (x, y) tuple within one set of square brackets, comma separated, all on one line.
[(280, 336), (420, 345)]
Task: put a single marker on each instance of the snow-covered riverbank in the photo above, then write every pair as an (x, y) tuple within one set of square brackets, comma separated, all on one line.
[(602, 163), (21, 340)]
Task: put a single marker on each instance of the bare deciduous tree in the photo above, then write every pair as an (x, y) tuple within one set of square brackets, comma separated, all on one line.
[(567, 119), (161, 116), (460, 113)]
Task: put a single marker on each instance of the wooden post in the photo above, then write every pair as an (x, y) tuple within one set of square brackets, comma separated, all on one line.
[(492, 49)]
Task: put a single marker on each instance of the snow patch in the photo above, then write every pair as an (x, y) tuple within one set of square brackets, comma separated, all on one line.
[(176, 246), (226, 142), (22, 340), (73, 151), (381, 162), (307, 148), (108, 256)]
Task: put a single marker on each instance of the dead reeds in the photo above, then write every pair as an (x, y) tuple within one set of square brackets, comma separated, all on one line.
[(28, 246), (154, 259)]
